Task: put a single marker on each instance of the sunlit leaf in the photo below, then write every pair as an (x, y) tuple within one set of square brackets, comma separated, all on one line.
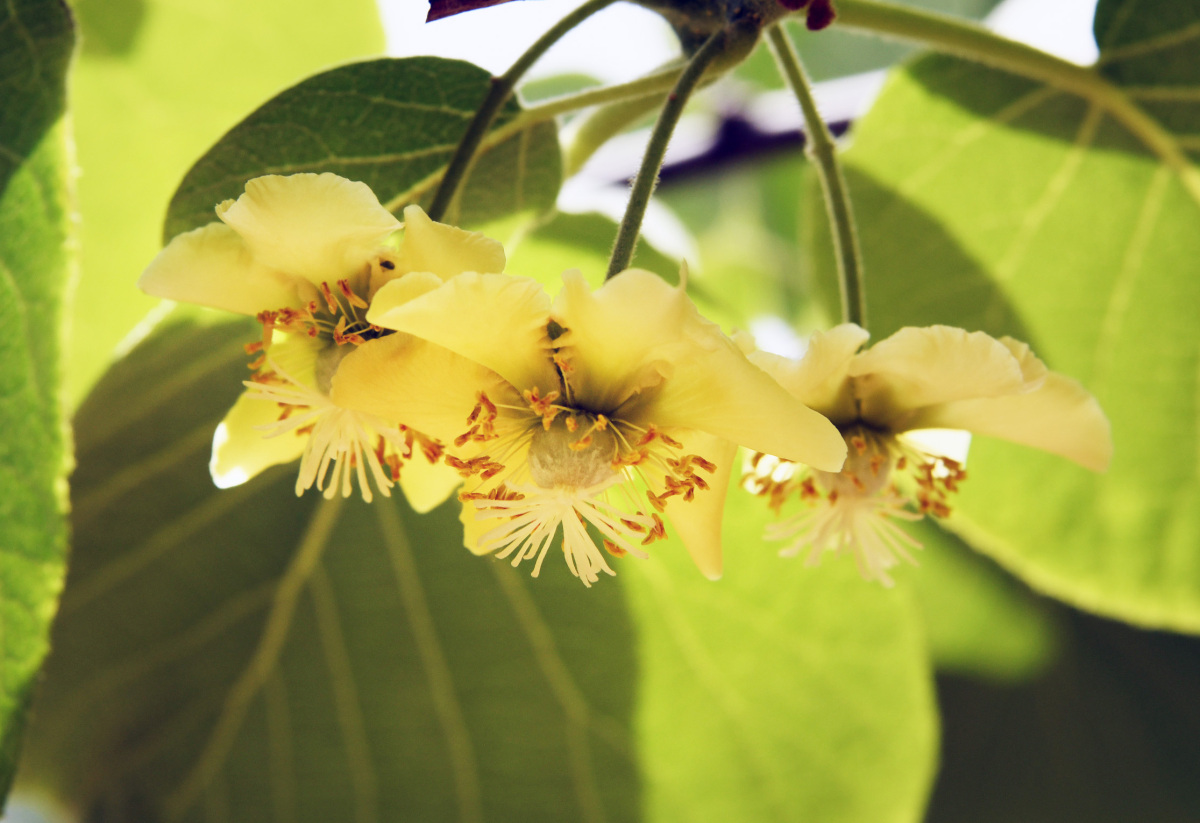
[(36, 38), (988, 201), (780, 692), (252, 655), (156, 84), (392, 124)]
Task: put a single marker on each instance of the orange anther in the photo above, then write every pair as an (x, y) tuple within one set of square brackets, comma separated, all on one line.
[(329, 299), (355, 300)]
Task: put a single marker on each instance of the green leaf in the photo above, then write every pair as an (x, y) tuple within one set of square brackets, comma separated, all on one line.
[(391, 123), (36, 40), (780, 692), (988, 201), (157, 83), (247, 654)]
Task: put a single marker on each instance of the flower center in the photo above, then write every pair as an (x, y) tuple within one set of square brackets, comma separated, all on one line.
[(339, 316), (868, 467), (562, 457)]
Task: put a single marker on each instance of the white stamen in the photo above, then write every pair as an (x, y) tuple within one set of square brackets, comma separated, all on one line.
[(340, 438), (529, 524), (856, 523)]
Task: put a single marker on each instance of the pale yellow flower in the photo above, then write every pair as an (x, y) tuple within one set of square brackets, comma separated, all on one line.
[(304, 254), (883, 400), (606, 408)]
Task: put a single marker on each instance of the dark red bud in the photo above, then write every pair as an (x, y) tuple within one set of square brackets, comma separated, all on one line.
[(820, 14)]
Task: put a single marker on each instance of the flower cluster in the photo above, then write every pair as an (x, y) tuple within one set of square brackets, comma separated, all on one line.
[(403, 353)]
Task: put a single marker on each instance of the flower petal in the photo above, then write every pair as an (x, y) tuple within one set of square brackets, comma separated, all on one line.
[(240, 449), (445, 250), (616, 335), (918, 367), (211, 266), (427, 485), (820, 379), (639, 349), (496, 320), (320, 227), (424, 386), (1060, 417), (697, 522)]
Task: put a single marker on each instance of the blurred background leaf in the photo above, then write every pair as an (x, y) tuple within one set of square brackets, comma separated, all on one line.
[(391, 123), (36, 261), (1110, 733), (1074, 238), (247, 653), (157, 82)]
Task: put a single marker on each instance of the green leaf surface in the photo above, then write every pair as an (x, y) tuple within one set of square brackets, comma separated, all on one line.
[(991, 202), (391, 123), (36, 41), (254, 656), (157, 83)]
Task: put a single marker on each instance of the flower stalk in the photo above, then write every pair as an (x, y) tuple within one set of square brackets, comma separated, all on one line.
[(501, 89), (823, 151), (656, 149)]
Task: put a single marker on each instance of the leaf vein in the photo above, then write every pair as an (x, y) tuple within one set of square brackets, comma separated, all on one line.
[(443, 691), (347, 705), (262, 663)]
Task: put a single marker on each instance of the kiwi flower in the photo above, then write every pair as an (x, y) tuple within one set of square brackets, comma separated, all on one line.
[(303, 255), (609, 409), (882, 399)]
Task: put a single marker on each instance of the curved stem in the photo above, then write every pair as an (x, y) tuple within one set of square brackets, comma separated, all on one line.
[(656, 149), (973, 42), (823, 151), (502, 87)]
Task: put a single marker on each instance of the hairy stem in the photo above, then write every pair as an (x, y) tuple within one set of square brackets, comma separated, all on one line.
[(656, 149), (823, 151), (502, 87)]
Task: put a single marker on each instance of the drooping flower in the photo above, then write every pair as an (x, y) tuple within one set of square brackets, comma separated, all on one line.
[(886, 401), (607, 409), (304, 254)]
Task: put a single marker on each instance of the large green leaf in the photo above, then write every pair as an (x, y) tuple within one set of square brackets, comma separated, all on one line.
[(246, 654), (393, 124), (988, 201), (36, 39), (157, 83)]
